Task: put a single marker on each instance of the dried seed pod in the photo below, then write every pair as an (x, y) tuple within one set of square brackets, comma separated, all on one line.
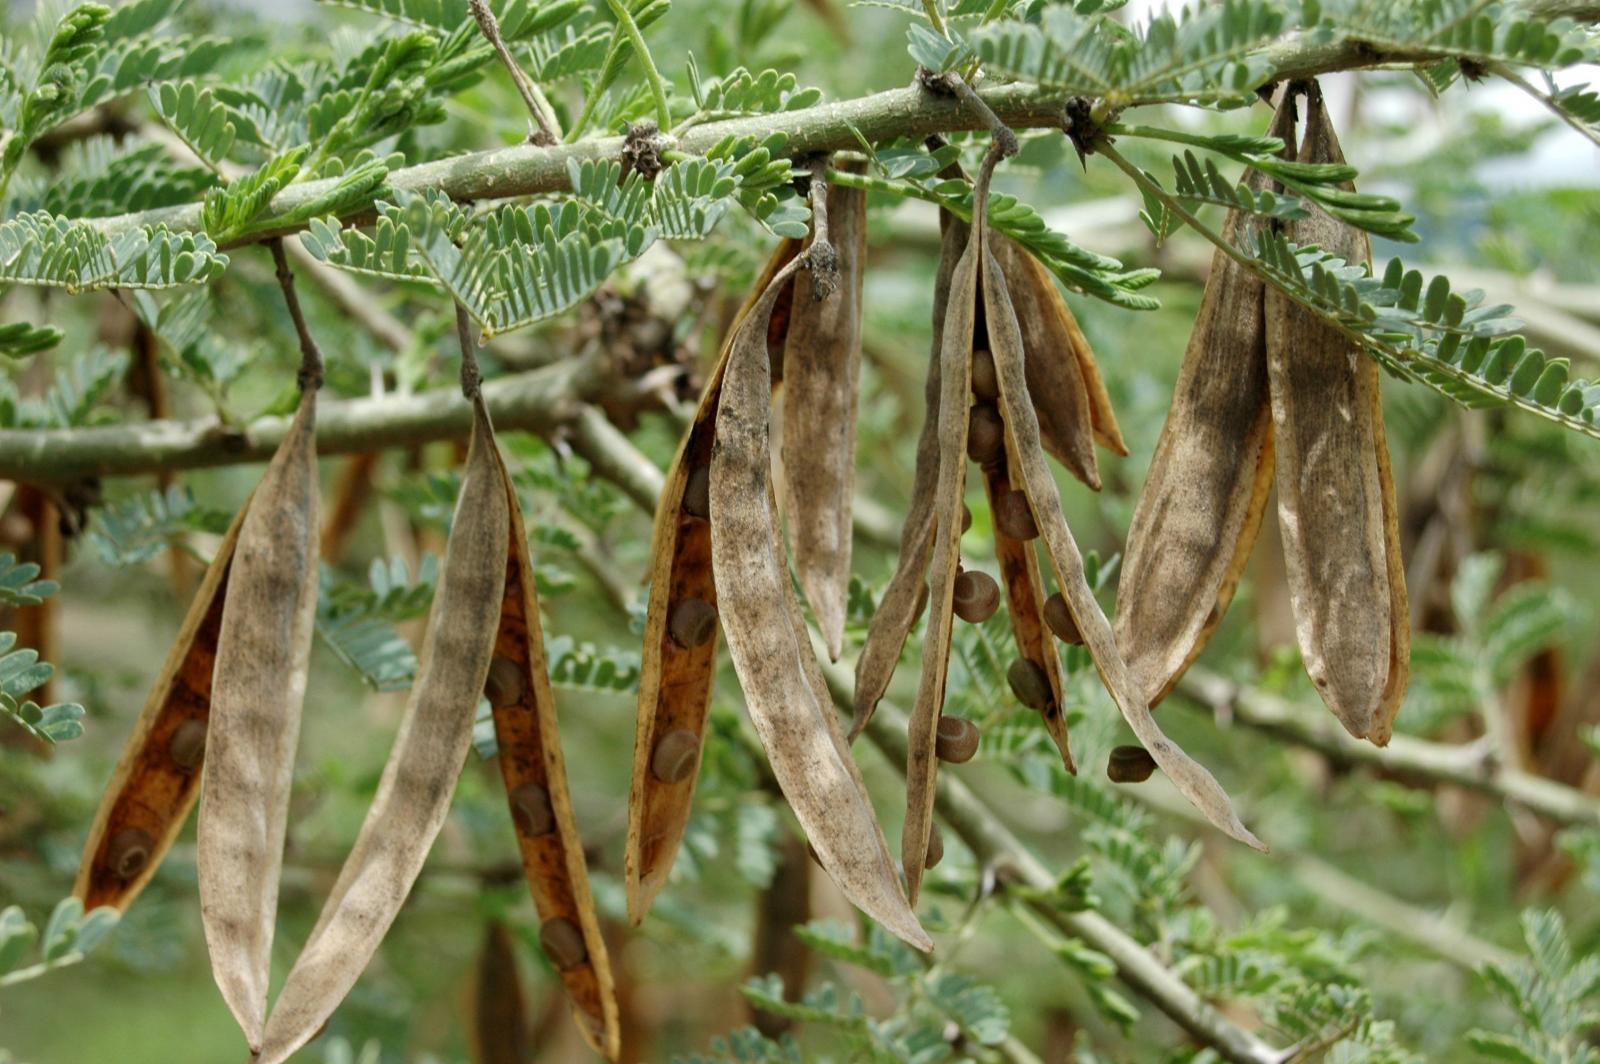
[(958, 740), (976, 597), (1013, 517), (903, 599), (1130, 764), (530, 805), (767, 639), (500, 1031), (1059, 620), (676, 756), (984, 384), (822, 366), (697, 492), (563, 943), (257, 688), (414, 792), (1027, 456), (675, 682), (986, 436), (1207, 488), (693, 623), (1336, 502), (153, 787), (506, 684)]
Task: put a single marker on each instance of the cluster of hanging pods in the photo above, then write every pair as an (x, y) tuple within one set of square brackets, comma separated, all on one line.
[(1265, 387)]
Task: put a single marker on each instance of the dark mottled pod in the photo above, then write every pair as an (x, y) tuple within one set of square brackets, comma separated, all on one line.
[(986, 434), (957, 740), (562, 942), (697, 492), (1029, 683), (1059, 618), (1013, 516), (675, 756), (1130, 764), (985, 383), (935, 847), (187, 747), (532, 803), (976, 597), (693, 623), (505, 684), (129, 852)]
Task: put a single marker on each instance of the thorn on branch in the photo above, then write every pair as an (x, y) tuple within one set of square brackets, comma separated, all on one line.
[(642, 150), (1472, 69), (1079, 124), (310, 375)]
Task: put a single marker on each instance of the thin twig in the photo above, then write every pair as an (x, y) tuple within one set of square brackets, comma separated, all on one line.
[(549, 133), (821, 257), (310, 355)]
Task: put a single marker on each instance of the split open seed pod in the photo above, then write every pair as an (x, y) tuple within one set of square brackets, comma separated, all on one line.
[(535, 775), (679, 660), (1204, 496), (1336, 503), (784, 689), (413, 796)]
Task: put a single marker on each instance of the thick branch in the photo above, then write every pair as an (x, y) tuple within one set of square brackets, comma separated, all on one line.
[(910, 112)]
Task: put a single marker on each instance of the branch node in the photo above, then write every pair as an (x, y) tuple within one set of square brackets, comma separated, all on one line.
[(642, 149), (1079, 124)]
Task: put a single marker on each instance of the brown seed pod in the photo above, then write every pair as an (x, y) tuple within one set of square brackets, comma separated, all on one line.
[(782, 680), (1130, 764), (153, 788), (1203, 499), (1059, 620), (530, 805), (986, 436), (257, 688), (506, 685), (902, 601), (1033, 472), (563, 943), (435, 734), (676, 756), (958, 740), (822, 367), (976, 597), (1013, 517), (500, 1031), (1336, 502), (693, 623), (697, 492), (675, 682), (984, 385)]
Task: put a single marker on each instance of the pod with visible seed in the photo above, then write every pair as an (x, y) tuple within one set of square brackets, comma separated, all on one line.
[(257, 689), (155, 782), (783, 685), (984, 385), (986, 436), (1058, 618), (506, 684), (500, 1033), (563, 944), (1029, 683), (675, 681), (676, 756), (693, 623), (1013, 517), (976, 597), (414, 792), (1336, 501), (958, 740), (1026, 454), (903, 600), (1130, 764), (822, 366), (1203, 498)]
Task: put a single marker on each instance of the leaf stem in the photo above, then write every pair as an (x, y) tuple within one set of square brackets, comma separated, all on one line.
[(1506, 73), (310, 354), (658, 88)]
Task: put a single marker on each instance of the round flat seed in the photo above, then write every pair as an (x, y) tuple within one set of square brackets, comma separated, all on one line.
[(1029, 683), (935, 847), (976, 597), (1059, 619), (532, 803), (1013, 516), (985, 381), (675, 756), (693, 623), (1130, 764), (986, 434), (957, 740), (966, 519), (697, 492), (187, 747), (505, 683), (563, 943), (129, 852)]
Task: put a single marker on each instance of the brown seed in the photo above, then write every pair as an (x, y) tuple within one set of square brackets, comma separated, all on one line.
[(1130, 764), (1059, 618), (957, 740), (129, 850), (532, 803), (562, 942), (693, 623), (697, 492), (976, 597), (986, 434), (966, 519), (1029, 683), (935, 847), (985, 382), (1013, 517), (505, 684), (675, 756), (187, 747)]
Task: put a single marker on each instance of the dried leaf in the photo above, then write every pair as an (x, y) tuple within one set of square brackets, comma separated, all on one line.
[(1336, 501), (772, 653), (413, 795)]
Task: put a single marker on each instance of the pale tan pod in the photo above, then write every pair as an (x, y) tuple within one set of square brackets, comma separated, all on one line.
[(413, 796), (1028, 461), (903, 598), (821, 370), (531, 763), (1335, 505), (772, 653), (1203, 499), (157, 779), (674, 680)]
